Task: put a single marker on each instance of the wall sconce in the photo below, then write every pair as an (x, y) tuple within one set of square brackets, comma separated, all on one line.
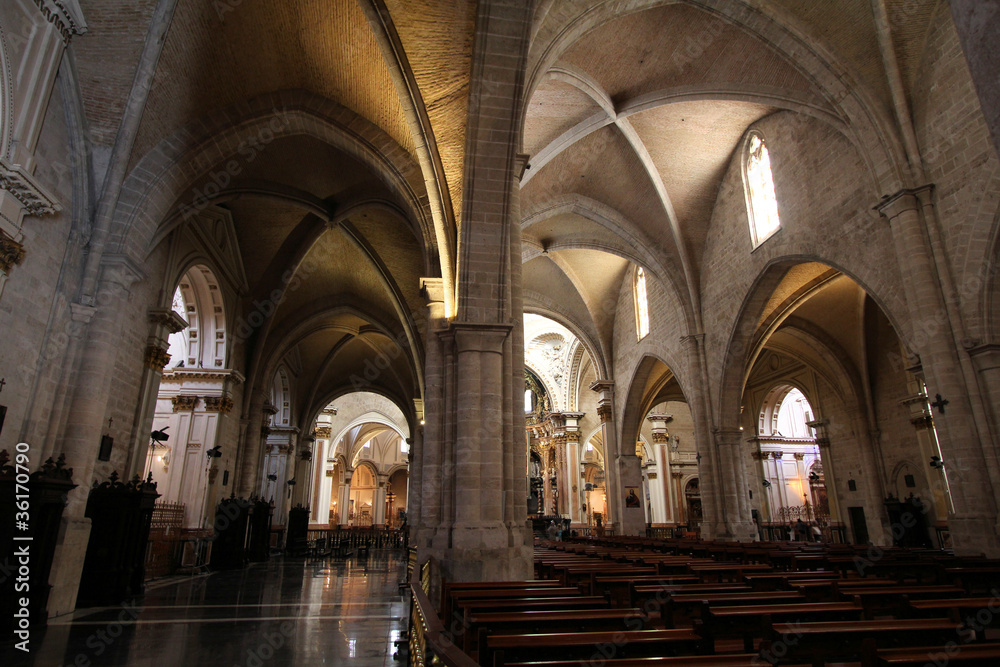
[(937, 463), (766, 483)]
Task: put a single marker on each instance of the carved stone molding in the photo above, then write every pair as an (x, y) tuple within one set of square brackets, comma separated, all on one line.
[(65, 15), (799, 456), (11, 252), (605, 413), (221, 404), (676, 475), (156, 358), (34, 199), (777, 455), (650, 475), (573, 437), (661, 437), (182, 403), (323, 432)]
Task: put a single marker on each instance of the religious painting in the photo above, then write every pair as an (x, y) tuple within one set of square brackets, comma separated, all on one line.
[(631, 499)]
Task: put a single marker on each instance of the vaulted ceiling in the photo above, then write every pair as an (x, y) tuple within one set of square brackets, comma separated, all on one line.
[(633, 112)]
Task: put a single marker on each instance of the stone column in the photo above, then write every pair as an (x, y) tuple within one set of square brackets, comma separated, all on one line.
[(344, 504), (302, 493), (90, 388), (217, 411), (779, 474), (660, 495), (573, 467), (973, 472), (162, 323), (612, 482), (681, 514), (425, 515), (739, 524), (378, 501)]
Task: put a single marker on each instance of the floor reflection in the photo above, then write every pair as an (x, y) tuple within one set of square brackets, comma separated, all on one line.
[(284, 612)]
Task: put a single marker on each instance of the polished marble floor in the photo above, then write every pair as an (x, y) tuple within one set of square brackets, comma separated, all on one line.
[(285, 612)]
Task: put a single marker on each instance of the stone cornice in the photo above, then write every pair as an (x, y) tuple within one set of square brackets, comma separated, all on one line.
[(34, 199)]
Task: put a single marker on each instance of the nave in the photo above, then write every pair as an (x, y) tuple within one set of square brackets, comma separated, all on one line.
[(284, 612)]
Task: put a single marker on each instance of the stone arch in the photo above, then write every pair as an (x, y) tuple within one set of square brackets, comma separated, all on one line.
[(206, 336), (636, 406), (747, 337), (164, 174)]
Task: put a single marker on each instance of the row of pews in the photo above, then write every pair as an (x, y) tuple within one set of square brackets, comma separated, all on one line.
[(622, 602)]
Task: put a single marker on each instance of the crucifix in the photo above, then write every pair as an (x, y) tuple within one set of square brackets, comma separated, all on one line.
[(3, 381), (111, 420), (939, 403)]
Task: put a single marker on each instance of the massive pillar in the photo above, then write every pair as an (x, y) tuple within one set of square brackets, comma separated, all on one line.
[(473, 518), (966, 443)]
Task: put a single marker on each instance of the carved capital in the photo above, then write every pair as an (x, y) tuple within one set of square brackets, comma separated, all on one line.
[(799, 456), (650, 475), (661, 437), (922, 422), (777, 455), (182, 403), (221, 404), (324, 432), (11, 253), (605, 413), (156, 358)]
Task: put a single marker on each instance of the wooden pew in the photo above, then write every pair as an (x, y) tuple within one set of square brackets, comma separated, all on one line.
[(733, 660), (680, 609), (838, 641), (500, 594), (660, 592), (751, 621), (531, 622), (501, 649), (963, 655), (468, 608), (893, 599), (448, 586), (619, 586)]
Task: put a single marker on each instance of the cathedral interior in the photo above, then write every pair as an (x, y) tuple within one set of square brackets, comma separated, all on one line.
[(461, 269)]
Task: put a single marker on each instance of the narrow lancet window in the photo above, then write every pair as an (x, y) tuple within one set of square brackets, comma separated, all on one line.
[(641, 304), (762, 205)]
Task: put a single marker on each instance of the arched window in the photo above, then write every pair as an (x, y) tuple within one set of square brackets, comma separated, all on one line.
[(762, 205), (641, 304)]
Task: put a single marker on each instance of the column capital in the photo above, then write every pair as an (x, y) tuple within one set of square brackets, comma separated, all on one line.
[(222, 404), (521, 163), (11, 252), (156, 358), (799, 456), (183, 403), (907, 199), (602, 385), (728, 436), (479, 336)]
